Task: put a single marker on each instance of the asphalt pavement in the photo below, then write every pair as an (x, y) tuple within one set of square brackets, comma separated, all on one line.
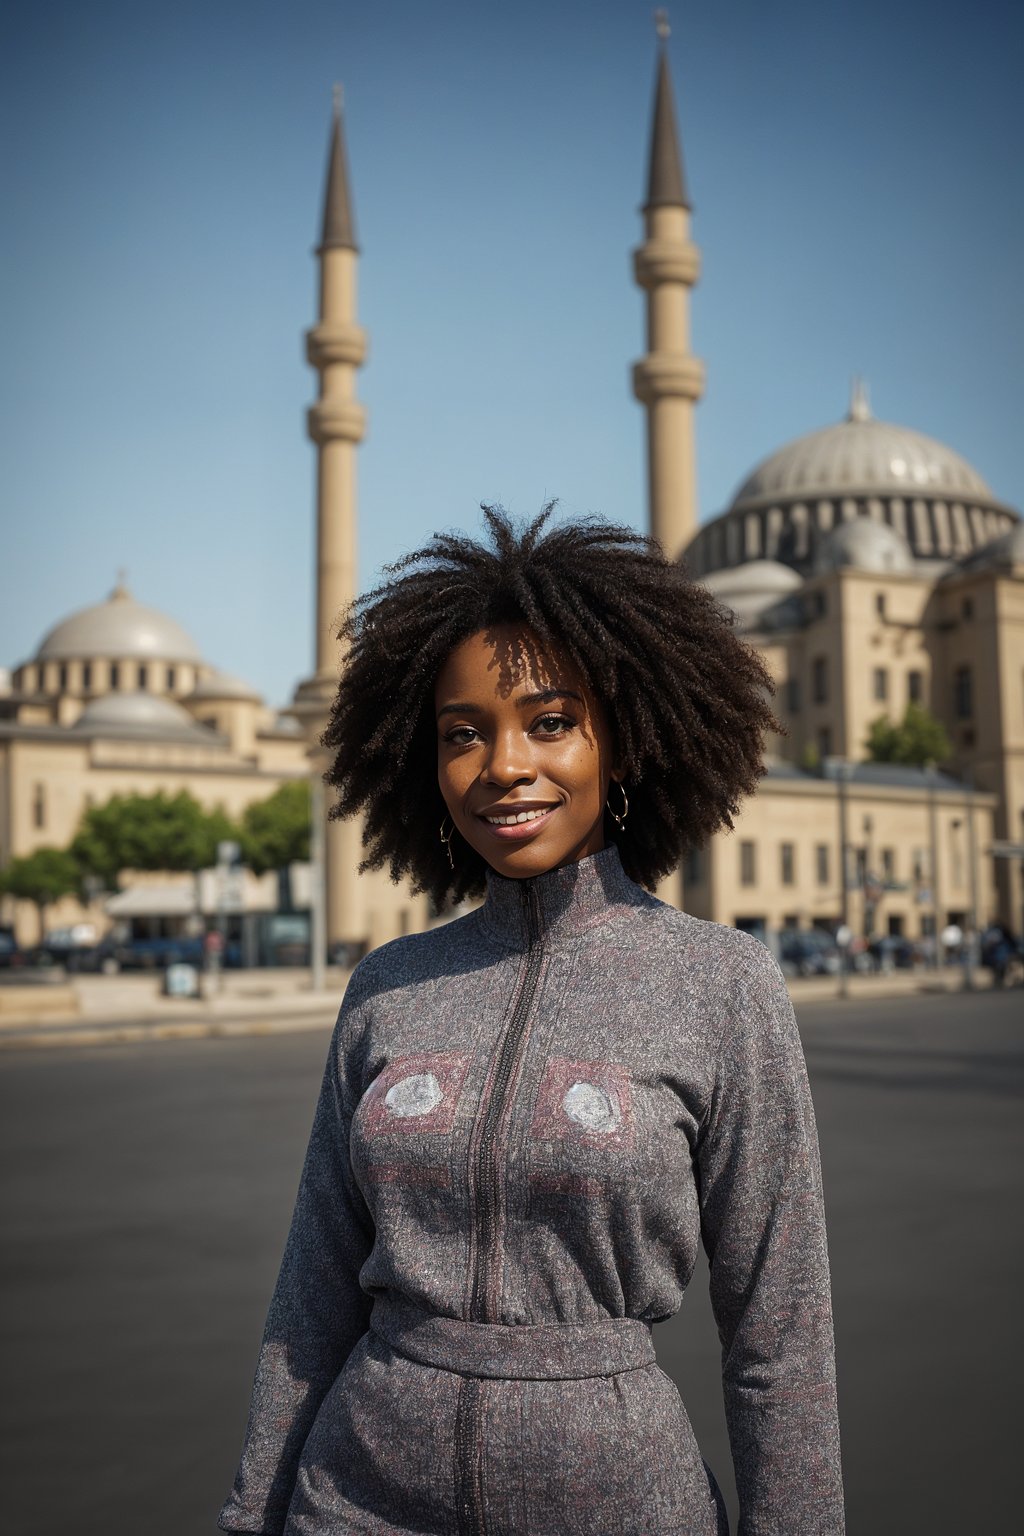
[(147, 1197)]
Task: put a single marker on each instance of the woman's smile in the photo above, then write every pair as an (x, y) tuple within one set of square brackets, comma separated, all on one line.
[(513, 825)]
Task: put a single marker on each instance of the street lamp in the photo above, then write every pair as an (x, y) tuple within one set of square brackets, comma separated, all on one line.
[(933, 859), (840, 769)]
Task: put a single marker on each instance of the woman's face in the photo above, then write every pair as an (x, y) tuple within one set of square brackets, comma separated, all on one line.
[(519, 731)]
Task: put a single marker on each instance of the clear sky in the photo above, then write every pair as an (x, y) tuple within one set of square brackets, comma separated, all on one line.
[(855, 170)]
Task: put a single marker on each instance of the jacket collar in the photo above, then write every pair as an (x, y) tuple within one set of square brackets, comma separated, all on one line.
[(561, 903)]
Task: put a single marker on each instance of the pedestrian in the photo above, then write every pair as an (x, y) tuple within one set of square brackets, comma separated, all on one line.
[(531, 1115)]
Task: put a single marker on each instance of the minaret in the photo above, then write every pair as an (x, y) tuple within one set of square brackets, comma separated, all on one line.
[(668, 381), (335, 347)]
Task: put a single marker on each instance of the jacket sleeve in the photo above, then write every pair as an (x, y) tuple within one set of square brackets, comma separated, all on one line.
[(317, 1311), (763, 1229)]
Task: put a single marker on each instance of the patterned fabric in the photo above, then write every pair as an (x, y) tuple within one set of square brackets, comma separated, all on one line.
[(530, 1117)]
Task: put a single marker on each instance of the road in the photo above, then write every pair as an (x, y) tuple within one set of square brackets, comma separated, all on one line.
[(147, 1197)]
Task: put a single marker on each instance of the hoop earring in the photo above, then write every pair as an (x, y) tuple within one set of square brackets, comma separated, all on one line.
[(619, 816), (447, 840)]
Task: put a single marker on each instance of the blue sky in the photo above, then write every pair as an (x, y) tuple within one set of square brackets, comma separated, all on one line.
[(855, 174)]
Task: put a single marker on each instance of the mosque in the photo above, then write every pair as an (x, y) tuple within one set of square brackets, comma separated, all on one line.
[(869, 564)]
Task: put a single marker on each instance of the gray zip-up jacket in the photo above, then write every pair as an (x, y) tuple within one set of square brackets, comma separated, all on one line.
[(529, 1119)]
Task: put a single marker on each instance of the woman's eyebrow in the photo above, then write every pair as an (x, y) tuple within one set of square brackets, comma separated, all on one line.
[(547, 694), (543, 697)]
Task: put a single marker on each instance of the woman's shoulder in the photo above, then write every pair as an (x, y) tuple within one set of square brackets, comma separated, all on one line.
[(409, 958)]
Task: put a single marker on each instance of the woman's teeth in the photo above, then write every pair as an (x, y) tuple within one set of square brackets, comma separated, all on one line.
[(511, 821)]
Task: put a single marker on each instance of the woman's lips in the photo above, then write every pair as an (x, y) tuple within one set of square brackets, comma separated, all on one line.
[(521, 829)]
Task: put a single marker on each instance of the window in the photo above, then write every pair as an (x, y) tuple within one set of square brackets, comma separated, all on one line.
[(888, 863), (791, 922), (115, 675), (915, 688), (967, 608), (821, 863), (143, 675), (793, 694), (748, 871), (170, 679), (820, 604), (86, 674), (963, 705), (824, 740), (880, 604), (819, 680), (881, 683), (786, 863), (62, 677), (692, 866), (39, 805)]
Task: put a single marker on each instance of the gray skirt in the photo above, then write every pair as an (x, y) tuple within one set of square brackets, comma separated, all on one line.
[(438, 1427)]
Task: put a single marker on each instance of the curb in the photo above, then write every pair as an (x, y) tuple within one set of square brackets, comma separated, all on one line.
[(176, 1029)]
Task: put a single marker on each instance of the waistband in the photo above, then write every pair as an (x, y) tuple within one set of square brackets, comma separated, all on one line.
[(528, 1350)]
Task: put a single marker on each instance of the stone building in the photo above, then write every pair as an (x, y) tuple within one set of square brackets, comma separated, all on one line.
[(870, 565), (118, 699)]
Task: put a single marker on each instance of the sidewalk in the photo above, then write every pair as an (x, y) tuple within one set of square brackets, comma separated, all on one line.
[(97, 1010), (120, 1010)]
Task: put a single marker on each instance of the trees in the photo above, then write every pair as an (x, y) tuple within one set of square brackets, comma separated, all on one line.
[(42, 877), (915, 740), (275, 832), (155, 832)]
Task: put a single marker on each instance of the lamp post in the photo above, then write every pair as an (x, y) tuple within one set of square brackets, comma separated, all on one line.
[(841, 774), (933, 859), (972, 860)]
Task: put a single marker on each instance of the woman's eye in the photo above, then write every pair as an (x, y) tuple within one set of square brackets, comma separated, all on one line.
[(460, 735), (554, 725)]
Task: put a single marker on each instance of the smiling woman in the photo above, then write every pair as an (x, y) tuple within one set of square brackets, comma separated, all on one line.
[(532, 1115)]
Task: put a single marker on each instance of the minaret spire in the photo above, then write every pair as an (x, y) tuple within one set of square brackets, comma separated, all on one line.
[(669, 380), (666, 181), (338, 227)]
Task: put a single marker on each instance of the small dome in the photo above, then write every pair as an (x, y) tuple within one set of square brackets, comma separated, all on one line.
[(1007, 546), (750, 588), (864, 545), (137, 714), (862, 456), (119, 628), (221, 685)]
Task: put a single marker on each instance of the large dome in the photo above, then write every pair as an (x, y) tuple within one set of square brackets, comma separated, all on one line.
[(860, 470), (862, 455), (120, 628)]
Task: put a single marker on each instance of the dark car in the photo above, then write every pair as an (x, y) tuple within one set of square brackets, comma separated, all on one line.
[(146, 954), (11, 953), (812, 953)]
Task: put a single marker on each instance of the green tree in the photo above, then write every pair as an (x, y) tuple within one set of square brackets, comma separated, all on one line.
[(810, 757), (275, 831), (915, 740), (42, 877), (154, 832)]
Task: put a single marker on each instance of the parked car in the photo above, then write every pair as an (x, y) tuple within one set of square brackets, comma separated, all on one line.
[(809, 953), (146, 954), (12, 956), (891, 951)]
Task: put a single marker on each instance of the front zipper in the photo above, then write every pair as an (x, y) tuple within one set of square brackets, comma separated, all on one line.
[(469, 1493), (487, 1160)]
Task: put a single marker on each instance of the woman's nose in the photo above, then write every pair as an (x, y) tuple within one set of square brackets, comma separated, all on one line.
[(509, 760)]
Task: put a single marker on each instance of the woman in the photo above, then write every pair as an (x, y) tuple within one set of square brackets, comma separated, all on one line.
[(531, 1115)]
